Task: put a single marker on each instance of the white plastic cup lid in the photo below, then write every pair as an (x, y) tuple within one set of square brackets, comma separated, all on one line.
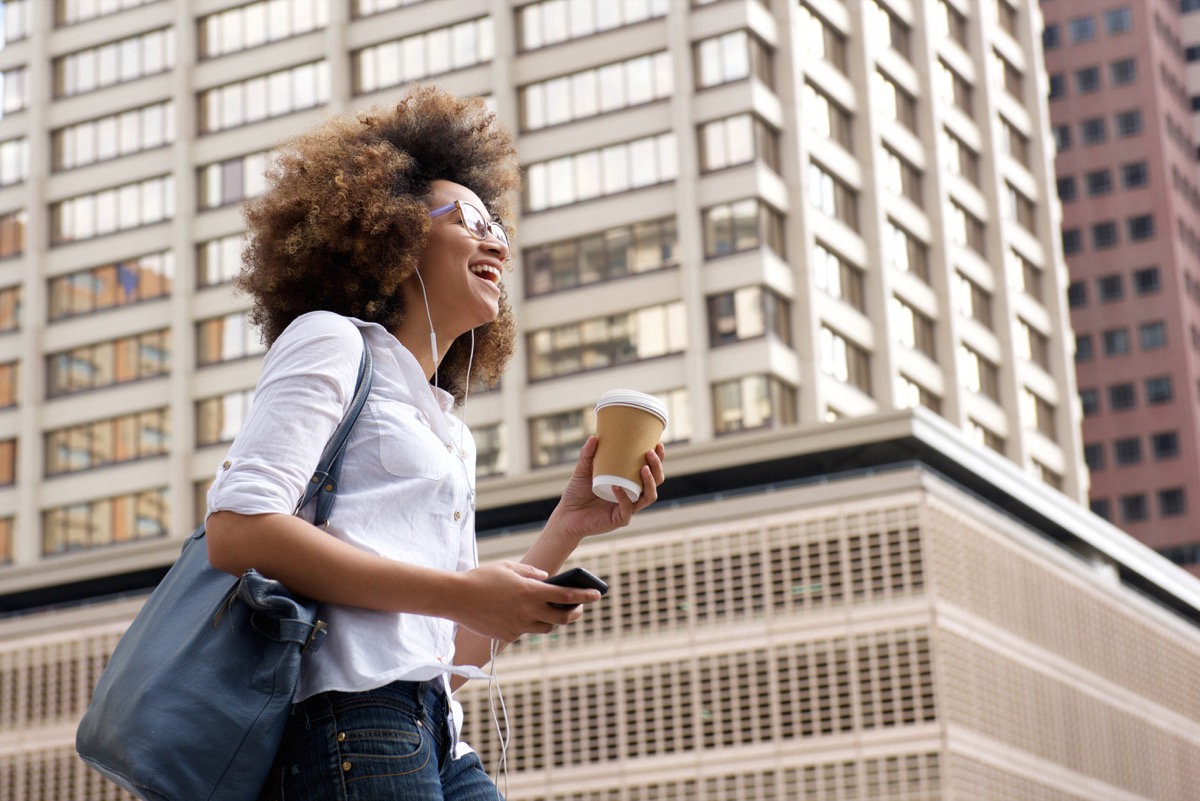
[(631, 397)]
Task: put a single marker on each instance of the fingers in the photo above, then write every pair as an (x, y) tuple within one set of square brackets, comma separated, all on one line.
[(528, 571)]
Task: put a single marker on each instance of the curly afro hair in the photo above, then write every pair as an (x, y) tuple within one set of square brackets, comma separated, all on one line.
[(345, 218)]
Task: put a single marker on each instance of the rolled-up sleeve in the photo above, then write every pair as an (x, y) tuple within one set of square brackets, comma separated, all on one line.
[(306, 386)]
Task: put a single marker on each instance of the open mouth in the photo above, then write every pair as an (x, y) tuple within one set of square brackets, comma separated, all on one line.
[(487, 272)]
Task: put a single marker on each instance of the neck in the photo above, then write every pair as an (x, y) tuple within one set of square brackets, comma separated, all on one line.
[(414, 335)]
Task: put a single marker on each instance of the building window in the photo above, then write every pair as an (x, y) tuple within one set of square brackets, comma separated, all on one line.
[(71, 12), (125, 518), (1093, 456), (14, 90), (832, 196), (1159, 390), (111, 285), (1007, 77), (985, 437), (1051, 37), (1133, 507), (845, 360), (219, 260), (423, 55), (1084, 351), (821, 41), (1066, 189), (954, 89), (264, 97), (1110, 288), (114, 63), (219, 419), (889, 30), (949, 22), (1020, 209), (1135, 174), (1058, 86), (1014, 142), (1100, 507), (1087, 80), (1093, 131), (837, 277), (1038, 413), (1081, 29), (1127, 451), (491, 451), (912, 329), (225, 339), (1077, 294), (14, 161), (972, 301), (1152, 336), (599, 173), (1116, 342), (1072, 241), (1117, 21), (105, 364), (606, 256), (1141, 227), (1099, 182), (601, 342), (1165, 445), (6, 540), (905, 252), (748, 313), (557, 438), (17, 20), (733, 56), (960, 159), (585, 94), (897, 104), (740, 226), (1123, 72), (256, 24), (900, 177), (9, 373), (231, 181), (111, 210), (824, 117), (910, 394), (1033, 345), (978, 374), (1089, 402), (1171, 502), (1024, 275), (738, 140), (1129, 123), (1062, 138), (550, 22), (966, 229), (106, 442), (1121, 397), (1104, 235), (113, 136), (750, 402), (10, 308)]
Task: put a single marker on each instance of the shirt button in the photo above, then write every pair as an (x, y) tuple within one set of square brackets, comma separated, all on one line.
[(457, 515), (449, 448), (226, 464)]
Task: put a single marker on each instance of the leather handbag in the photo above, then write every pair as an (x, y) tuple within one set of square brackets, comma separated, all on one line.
[(193, 703)]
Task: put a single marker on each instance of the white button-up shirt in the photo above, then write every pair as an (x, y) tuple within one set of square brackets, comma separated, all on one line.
[(406, 492)]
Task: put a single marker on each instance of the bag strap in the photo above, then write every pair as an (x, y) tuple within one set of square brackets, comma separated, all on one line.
[(324, 482)]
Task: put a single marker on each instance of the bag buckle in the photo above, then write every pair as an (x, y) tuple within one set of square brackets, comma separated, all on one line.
[(316, 637)]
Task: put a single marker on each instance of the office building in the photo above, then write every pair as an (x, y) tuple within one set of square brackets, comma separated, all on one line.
[(1127, 179), (778, 216)]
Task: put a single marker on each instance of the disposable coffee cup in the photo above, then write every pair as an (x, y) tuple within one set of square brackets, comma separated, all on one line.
[(628, 424)]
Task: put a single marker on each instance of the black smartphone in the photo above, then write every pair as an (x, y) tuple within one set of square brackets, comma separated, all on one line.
[(579, 578)]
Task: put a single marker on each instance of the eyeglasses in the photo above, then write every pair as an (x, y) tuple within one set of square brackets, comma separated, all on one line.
[(473, 220)]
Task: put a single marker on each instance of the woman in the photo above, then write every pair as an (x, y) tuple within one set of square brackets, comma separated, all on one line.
[(380, 223)]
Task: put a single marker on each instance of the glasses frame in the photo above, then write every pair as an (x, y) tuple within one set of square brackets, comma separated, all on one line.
[(494, 227)]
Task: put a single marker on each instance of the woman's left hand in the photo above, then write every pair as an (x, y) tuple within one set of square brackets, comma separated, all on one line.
[(581, 513)]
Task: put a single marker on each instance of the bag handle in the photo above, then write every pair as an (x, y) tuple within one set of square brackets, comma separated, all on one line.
[(324, 482)]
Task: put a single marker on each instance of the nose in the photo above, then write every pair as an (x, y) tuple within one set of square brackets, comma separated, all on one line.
[(495, 245)]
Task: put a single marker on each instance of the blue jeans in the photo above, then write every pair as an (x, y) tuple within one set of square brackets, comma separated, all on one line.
[(388, 744)]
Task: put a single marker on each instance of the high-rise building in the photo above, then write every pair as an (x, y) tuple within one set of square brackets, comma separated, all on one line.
[(776, 215), (1128, 182)]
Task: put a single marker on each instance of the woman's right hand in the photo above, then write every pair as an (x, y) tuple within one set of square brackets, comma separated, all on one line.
[(503, 600)]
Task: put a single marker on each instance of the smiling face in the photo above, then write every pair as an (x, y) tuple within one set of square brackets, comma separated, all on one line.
[(461, 274)]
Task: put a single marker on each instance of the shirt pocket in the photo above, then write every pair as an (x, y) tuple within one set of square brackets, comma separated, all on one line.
[(408, 448)]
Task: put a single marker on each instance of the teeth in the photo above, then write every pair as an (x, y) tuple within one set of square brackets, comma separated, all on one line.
[(487, 271)]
